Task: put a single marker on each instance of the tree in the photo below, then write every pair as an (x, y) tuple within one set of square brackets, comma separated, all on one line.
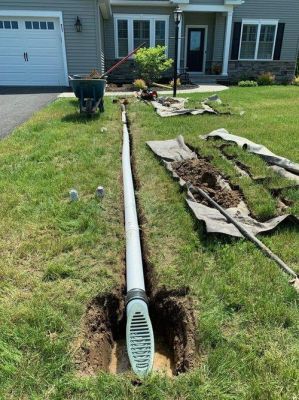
[(152, 62)]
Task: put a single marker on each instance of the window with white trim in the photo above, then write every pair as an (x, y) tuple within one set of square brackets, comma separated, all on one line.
[(133, 30), (258, 40)]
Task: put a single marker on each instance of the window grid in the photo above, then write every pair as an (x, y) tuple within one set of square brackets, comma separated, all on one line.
[(36, 25), (160, 36), (150, 29), (141, 32), (9, 25), (258, 40), (122, 29)]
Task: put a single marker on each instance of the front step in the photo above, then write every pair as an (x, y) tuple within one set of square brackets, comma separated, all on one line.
[(200, 78)]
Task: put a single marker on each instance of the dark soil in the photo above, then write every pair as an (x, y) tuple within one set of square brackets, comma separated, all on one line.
[(201, 174)]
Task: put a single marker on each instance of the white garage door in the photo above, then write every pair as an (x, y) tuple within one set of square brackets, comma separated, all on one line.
[(31, 52)]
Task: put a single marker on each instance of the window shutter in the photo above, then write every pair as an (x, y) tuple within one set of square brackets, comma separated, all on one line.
[(236, 40), (279, 39)]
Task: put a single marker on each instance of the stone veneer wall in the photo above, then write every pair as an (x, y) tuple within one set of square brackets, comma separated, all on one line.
[(127, 72), (238, 70), (284, 71)]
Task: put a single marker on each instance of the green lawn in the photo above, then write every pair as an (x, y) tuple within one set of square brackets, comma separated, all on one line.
[(56, 256), (248, 324)]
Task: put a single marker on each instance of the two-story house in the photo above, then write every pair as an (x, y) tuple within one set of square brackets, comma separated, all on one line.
[(43, 41)]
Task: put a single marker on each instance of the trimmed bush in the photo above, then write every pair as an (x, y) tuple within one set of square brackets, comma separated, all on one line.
[(247, 83), (266, 79), (296, 81), (152, 62), (140, 84)]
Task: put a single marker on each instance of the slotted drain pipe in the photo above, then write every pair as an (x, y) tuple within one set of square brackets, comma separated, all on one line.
[(139, 332)]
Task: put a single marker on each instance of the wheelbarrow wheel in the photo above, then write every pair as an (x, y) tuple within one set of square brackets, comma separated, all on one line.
[(89, 106), (101, 106)]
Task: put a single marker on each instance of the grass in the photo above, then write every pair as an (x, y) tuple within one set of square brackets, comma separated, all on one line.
[(248, 323), (56, 256)]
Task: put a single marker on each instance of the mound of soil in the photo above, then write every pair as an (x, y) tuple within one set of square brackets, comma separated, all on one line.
[(201, 174)]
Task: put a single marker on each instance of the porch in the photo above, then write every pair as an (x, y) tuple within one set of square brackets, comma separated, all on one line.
[(204, 41)]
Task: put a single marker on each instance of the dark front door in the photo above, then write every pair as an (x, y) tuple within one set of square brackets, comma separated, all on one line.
[(195, 49)]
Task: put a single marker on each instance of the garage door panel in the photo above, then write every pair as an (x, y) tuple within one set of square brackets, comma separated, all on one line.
[(43, 51), (7, 66), (45, 64), (40, 80), (13, 79)]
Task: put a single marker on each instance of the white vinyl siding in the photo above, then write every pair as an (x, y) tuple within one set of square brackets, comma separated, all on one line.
[(258, 39), (132, 30)]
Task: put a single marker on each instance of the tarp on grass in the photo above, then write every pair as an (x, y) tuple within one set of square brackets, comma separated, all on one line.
[(170, 107), (170, 151), (258, 149)]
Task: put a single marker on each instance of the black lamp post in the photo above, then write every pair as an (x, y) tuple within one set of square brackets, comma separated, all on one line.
[(177, 20), (78, 25)]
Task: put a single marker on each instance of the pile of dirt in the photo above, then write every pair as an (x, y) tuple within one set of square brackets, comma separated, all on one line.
[(201, 174), (94, 74)]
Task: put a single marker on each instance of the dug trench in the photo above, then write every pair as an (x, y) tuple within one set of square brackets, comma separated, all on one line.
[(201, 174), (102, 344)]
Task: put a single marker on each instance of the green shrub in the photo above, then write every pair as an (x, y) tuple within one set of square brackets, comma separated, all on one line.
[(265, 79), (247, 83), (152, 62), (140, 84)]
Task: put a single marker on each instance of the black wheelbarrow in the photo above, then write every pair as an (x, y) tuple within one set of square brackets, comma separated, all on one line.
[(90, 93)]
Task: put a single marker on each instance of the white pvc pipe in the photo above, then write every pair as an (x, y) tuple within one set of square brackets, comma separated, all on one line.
[(134, 270), (139, 331)]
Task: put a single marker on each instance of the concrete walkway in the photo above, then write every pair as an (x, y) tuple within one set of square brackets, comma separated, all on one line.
[(199, 89)]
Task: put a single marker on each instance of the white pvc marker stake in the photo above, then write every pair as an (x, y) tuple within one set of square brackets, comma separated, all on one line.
[(100, 192), (74, 196)]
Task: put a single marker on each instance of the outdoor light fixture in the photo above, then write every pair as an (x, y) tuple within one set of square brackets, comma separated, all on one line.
[(177, 15), (78, 25), (177, 20)]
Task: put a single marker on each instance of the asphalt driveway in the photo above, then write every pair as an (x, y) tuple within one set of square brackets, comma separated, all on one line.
[(18, 104)]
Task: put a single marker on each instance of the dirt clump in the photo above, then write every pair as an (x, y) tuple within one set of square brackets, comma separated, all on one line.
[(201, 174)]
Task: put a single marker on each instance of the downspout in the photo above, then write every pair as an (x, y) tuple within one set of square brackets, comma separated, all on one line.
[(99, 44), (139, 332)]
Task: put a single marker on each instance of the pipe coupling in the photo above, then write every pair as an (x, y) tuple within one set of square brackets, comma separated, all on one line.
[(136, 294)]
